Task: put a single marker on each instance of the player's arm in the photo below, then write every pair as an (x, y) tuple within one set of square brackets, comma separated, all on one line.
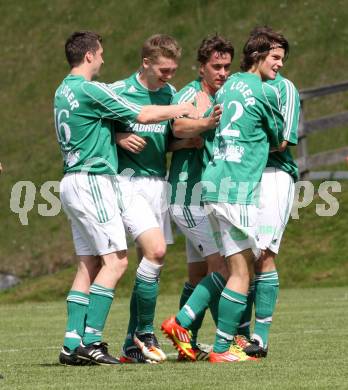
[(153, 113), (188, 128), (273, 118), (291, 106), (115, 106), (130, 142)]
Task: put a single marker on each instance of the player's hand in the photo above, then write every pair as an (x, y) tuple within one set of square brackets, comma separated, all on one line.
[(202, 103), (215, 116), (198, 142), (194, 142), (0, 168), (130, 142), (189, 110)]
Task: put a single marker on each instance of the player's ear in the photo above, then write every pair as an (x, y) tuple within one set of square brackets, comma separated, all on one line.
[(146, 62), (201, 69), (89, 56)]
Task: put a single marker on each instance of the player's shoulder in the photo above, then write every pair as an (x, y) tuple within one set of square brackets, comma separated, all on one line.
[(270, 91), (95, 88), (171, 89), (120, 86), (284, 84), (188, 92)]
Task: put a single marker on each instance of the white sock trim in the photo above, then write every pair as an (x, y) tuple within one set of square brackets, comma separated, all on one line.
[(148, 271)]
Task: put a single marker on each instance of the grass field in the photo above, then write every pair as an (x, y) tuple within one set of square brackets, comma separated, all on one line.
[(307, 349)]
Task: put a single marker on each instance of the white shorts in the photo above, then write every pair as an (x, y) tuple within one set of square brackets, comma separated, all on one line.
[(234, 226), (194, 224), (276, 198), (144, 205), (90, 202)]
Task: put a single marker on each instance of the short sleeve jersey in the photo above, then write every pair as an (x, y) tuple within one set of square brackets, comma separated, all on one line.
[(250, 121), (151, 161), (83, 113), (290, 107), (187, 165)]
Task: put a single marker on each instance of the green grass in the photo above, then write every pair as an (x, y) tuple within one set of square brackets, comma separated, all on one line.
[(307, 349)]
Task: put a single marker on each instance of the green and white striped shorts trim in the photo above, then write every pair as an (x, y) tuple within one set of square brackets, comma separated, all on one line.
[(98, 198)]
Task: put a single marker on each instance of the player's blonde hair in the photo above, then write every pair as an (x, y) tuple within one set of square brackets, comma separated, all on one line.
[(161, 45)]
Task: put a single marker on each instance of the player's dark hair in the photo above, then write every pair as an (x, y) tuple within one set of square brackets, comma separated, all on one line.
[(78, 44), (260, 42), (161, 45), (214, 43)]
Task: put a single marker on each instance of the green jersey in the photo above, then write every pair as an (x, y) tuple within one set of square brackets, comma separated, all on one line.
[(151, 161), (250, 121), (290, 105), (83, 113), (187, 165)]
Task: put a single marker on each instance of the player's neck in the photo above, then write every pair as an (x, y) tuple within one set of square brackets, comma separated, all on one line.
[(146, 83), (255, 70), (207, 88), (82, 71)]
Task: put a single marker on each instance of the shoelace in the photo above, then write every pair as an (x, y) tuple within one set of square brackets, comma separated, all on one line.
[(243, 341), (151, 339), (103, 346)]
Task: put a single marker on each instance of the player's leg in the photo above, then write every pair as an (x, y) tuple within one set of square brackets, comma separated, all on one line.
[(236, 227), (113, 266), (197, 267), (277, 192), (231, 307), (77, 305), (130, 352), (89, 201), (266, 293), (153, 247), (142, 218), (206, 292), (196, 270), (202, 258)]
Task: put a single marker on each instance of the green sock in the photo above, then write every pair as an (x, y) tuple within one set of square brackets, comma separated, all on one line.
[(266, 293), (244, 327), (133, 320), (206, 291), (214, 304), (231, 308), (197, 323), (185, 294), (77, 305), (146, 295), (147, 286), (100, 300)]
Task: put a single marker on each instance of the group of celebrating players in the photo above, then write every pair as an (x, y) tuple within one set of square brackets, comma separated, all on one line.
[(230, 189)]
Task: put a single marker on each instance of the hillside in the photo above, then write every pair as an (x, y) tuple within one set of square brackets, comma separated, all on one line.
[(32, 37)]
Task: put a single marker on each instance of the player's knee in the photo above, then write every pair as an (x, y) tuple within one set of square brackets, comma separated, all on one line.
[(266, 263), (157, 253), (116, 263)]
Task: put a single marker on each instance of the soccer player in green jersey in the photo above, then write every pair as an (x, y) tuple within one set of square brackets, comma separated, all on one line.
[(83, 112), (276, 198), (251, 119), (214, 55), (142, 169)]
